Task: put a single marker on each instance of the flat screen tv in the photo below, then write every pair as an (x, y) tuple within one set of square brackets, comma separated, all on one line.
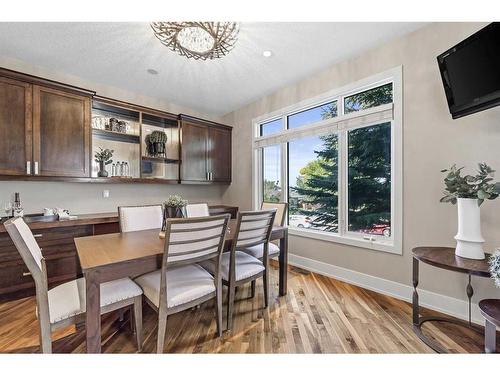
[(471, 72)]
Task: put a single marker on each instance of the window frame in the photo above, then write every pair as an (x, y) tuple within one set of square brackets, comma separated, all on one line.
[(340, 125)]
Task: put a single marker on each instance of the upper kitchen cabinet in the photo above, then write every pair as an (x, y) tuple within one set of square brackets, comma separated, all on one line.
[(205, 151), (15, 127), (61, 133)]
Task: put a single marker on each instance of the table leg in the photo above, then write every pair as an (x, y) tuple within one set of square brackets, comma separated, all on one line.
[(490, 335), (283, 263), (470, 293), (93, 315), (416, 313)]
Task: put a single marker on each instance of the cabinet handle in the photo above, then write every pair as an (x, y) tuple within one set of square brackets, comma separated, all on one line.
[(36, 167), (38, 235), (28, 167), (26, 273)]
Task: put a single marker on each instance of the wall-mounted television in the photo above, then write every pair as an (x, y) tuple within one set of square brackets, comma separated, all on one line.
[(471, 72)]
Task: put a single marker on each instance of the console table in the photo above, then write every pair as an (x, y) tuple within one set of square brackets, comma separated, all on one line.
[(444, 258)]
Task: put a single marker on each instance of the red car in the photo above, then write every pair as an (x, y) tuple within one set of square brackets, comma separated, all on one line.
[(379, 229)]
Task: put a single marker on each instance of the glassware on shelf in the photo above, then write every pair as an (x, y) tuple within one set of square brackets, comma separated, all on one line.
[(113, 170), (126, 170)]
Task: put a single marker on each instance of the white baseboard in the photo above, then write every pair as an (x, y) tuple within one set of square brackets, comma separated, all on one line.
[(438, 302)]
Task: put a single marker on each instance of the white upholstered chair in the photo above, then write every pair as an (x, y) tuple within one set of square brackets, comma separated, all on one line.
[(134, 218), (65, 304), (237, 267), (257, 251), (181, 283), (197, 210)]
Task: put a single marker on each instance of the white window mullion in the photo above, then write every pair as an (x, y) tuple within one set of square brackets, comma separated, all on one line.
[(342, 182), (284, 172)]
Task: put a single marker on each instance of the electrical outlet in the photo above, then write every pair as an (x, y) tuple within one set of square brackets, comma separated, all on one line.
[(105, 194)]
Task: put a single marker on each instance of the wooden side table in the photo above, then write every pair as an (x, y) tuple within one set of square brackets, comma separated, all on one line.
[(490, 309), (444, 258)]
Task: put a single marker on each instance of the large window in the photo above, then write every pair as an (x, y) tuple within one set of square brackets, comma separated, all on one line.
[(337, 162)]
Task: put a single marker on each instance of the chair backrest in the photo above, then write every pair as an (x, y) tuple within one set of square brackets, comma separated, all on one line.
[(192, 240), (134, 218), (253, 228), (281, 210), (25, 243), (197, 210)]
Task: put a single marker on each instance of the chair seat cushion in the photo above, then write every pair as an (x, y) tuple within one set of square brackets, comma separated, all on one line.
[(184, 284), (257, 251), (246, 266), (68, 299)]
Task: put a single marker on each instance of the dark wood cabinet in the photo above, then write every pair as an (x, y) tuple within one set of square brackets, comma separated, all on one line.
[(206, 151), (219, 154), (61, 133), (15, 127)]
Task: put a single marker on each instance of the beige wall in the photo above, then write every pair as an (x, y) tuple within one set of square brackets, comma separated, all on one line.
[(87, 198), (432, 141)]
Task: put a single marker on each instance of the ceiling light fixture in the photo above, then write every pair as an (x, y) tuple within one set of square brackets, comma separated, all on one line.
[(267, 53), (198, 40)]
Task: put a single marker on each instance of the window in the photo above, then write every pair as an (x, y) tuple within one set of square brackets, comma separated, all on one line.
[(271, 127), (337, 163), (312, 183), (271, 161), (321, 112)]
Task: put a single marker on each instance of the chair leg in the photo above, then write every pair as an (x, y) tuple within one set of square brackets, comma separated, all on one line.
[(230, 306), (218, 309), (252, 294), (45, 337), (138, 321), (162, 327), (265, 281)]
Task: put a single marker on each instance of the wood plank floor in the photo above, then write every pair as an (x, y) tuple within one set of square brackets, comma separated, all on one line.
[(319, 315)]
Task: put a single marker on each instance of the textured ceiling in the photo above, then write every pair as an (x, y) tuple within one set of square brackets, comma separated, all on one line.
[(119, 54)]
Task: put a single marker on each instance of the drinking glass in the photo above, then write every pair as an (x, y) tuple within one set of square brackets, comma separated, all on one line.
[(8, 209)]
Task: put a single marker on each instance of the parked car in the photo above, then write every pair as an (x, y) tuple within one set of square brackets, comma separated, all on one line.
[(299, 221), (379, 229)]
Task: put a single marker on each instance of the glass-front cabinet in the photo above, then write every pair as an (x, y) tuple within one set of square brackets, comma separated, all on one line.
[(144, 145)]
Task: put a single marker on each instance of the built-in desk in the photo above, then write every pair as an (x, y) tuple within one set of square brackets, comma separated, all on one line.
[(56, 239)]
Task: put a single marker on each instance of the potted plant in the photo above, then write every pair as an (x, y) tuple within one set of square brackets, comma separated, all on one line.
[(494, 262), (149, 145), (158, 140), (469, 192), (103, 157), (174, 206)]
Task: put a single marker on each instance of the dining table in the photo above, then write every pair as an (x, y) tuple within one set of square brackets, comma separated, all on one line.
[(114, 256)]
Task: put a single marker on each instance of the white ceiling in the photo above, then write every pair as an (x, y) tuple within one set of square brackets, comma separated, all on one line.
[(119, 54)]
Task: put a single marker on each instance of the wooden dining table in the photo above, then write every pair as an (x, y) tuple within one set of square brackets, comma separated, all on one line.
[(113, 256)]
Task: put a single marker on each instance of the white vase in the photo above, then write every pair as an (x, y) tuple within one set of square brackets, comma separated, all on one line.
[(469, 238)]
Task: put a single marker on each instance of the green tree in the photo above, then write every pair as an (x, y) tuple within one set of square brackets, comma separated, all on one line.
[(368, 170), (272, 191)]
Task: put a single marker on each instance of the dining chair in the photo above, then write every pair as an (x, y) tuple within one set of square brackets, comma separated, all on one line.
[(197, 210), (134, 218), (237, 267), (64, 304), (182, 283), (257, 251)]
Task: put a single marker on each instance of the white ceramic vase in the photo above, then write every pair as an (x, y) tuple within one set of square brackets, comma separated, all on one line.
[(469, 238)]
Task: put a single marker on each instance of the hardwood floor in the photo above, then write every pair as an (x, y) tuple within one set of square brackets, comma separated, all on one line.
[(319, 315)]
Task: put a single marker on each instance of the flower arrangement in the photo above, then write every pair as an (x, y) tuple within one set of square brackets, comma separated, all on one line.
[(494, 262), (175, 201), (477, 187), (104, 156)]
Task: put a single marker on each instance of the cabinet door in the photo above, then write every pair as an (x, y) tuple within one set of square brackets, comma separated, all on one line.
[(194, 152), (61, 133), (219, 154), (15, 127)]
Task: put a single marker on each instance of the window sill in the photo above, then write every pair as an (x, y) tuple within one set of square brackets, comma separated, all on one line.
[(381, 245)]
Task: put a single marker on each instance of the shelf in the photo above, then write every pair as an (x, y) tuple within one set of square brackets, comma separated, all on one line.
[(117, 111), (160, 160), (98, 180), (157, 121), (115, 136)]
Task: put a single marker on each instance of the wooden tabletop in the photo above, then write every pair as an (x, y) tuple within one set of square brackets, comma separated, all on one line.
[(96, 251), (444, 257)]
